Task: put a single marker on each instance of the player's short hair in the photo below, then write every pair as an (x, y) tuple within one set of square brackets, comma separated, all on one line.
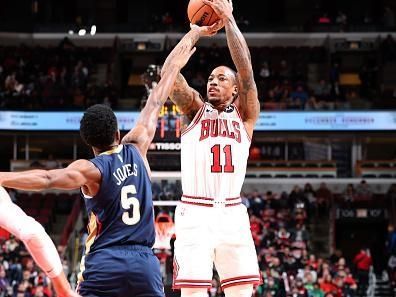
[(98, 126)]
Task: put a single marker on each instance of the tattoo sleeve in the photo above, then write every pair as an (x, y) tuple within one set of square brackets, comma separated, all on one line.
[(182, 94), (241, 57)]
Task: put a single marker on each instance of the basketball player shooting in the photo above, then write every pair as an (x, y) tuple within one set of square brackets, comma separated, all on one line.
[(37, 242), (211, 224), (116, 187)]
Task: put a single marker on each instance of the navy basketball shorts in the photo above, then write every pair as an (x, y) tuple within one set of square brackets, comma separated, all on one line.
[(121, 271)]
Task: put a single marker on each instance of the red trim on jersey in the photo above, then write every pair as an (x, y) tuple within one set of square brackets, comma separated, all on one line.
[(200, 281), (191, 283), (239, 115), (211, 201), (234, 198), (207, 198), (195, 120), (197, 203), (209, 205), (233, 204), (195, 197), (175, 287), (241, 280)]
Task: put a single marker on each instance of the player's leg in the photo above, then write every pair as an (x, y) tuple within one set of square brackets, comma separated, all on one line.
[(144, 265), (236, 259), (194, 292), (239, 291), (36, 240), (194, 249)]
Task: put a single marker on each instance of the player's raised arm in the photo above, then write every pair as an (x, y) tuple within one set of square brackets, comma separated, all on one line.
[(250, 106), (185, 97), (143, 133)]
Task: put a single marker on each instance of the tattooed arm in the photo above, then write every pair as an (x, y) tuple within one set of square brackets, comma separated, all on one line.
[(185, 97), (248, 97)]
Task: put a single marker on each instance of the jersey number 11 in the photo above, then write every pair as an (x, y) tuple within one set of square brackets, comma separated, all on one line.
[(217, 167)]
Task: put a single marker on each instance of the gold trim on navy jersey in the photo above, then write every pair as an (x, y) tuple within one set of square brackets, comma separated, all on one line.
[(92, 233), (115, 150)]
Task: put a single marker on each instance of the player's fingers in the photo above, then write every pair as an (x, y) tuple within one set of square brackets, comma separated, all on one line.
[(210, 3), (218, 25), (192, 52)]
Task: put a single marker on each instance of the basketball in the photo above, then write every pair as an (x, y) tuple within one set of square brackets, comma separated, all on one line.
[(201, 14)]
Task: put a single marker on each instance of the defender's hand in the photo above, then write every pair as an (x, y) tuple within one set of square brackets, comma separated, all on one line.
[(208, 30), (223, 8), (182, 55)]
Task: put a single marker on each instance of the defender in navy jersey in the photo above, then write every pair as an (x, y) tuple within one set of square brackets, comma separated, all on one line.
[(118, 260)]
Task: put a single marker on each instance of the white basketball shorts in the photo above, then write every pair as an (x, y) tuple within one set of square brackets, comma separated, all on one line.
[(219, 235)]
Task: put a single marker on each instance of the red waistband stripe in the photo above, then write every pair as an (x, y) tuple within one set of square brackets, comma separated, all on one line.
[(210, 202)]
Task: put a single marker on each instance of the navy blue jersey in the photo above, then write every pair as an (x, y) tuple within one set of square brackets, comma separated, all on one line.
[(121, 213)]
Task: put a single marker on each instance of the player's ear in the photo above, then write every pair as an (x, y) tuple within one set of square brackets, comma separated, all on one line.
[(235, 91), (118, 136)]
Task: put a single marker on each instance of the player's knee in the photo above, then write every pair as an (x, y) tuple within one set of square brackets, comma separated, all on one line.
[(31, 231), (239, 291), (194, 292)]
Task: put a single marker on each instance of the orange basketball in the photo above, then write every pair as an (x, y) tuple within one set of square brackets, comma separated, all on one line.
[(201, 14)]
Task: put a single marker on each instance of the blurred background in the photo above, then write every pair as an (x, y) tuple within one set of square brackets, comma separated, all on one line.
[(321, 180)]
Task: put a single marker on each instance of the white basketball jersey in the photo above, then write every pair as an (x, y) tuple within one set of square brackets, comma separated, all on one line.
[(214, 153)]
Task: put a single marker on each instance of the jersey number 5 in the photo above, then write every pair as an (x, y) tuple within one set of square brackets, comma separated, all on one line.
[(217, 167), (128, 201)]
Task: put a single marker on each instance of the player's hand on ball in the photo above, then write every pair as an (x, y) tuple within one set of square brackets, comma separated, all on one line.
[(208, 30), (223, 8)]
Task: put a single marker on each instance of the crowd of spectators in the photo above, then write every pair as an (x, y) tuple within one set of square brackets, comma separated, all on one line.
[(53, 77), (285, 77), (281, 225), (64, 77), (19, 275)]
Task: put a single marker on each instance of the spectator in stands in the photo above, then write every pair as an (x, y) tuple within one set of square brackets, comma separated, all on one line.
[(312, 104), (388, 18), (348, 195), (299, 289), (284, 72), (327, 285), (310, 196), (388, 48), (342, 21), (322, 90), (316, 291), (299, 97), (363, 262), (391, 197), (335, 79), (265, 72), (391, 240), (392, 270), (4, 282), (299, 233), (324, 198), (363, 191), (256, 203), (51, 163)]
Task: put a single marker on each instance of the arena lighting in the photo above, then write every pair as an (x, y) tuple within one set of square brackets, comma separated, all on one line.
[(71, 32), (93, 30), (82, 32)]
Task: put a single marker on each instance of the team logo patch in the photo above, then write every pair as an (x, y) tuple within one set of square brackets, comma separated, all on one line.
[(229, 109)]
